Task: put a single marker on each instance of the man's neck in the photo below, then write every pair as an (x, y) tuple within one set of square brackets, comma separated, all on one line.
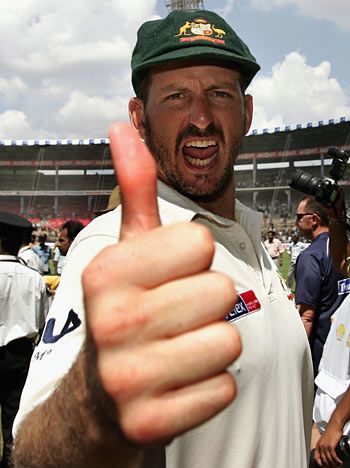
[(318, 231), (223, 205)]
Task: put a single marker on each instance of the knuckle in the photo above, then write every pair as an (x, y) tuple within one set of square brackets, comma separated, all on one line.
[(228, 388), (142, 422), (94, 274), (122, 381), (224, 288), (231, 343), (202, 240)]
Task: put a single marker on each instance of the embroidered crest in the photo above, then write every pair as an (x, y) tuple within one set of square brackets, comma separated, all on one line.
[(340, 332), (200, 29)]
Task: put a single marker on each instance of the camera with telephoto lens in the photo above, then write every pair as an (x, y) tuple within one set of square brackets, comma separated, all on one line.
[(324, 189)]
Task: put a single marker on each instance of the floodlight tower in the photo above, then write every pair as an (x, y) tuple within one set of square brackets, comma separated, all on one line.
[(188, 5)]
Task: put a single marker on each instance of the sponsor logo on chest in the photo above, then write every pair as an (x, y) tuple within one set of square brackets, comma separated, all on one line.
[(247, 303)]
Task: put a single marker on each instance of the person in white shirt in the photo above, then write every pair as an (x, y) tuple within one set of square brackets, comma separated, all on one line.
[(68, 232), (294, 249), (274, 247), (23, 307), (27, 254), (142, 341), (332, 401)]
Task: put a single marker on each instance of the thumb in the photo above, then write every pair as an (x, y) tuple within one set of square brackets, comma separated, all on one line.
[(137, 177)]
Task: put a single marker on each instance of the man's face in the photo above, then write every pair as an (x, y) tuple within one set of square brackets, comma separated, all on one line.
[(304, 220), (63, 242), (193, 123), (270, 236)]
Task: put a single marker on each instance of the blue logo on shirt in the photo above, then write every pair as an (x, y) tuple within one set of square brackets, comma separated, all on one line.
[(344, 286), (72, 322)]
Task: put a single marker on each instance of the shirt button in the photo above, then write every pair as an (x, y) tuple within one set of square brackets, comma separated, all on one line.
[(242, 245)]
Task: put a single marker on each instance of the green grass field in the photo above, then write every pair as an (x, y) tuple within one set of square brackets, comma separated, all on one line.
[(285, 266)]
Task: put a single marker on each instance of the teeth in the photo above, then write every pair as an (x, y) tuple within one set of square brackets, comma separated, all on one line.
[(199, 162), (201, 143)]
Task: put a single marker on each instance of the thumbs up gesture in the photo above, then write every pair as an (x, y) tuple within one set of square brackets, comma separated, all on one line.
[(155, 311)]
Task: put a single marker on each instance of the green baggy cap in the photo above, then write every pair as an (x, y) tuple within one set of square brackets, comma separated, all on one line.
[(186, 35)]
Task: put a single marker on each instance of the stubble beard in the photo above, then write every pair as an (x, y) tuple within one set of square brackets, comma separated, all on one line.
[(203, 189)]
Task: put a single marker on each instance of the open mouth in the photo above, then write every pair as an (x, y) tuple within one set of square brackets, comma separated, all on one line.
[(200, 153)]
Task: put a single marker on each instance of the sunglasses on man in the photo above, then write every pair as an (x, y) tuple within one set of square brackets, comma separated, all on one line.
[(299, 216)]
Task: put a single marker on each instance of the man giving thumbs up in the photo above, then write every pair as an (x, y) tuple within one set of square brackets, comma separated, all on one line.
[(140, 362)]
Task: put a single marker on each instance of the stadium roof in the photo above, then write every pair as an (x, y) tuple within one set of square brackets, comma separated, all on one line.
[(300, 141)]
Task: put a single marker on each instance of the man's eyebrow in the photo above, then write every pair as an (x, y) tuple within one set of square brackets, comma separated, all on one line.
[(222, 84), (174, 87)]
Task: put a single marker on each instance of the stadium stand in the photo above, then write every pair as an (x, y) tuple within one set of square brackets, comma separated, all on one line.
[(59, 179)]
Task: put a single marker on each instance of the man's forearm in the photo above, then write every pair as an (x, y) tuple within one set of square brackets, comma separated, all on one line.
[(338, 242), (341, 414), (307, 316), (70, 430)]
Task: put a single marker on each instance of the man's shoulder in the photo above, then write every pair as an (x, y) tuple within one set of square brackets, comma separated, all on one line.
[(29, 271)]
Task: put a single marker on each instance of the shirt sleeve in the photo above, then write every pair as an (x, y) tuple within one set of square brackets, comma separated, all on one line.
[(64, 331), (308, 280)]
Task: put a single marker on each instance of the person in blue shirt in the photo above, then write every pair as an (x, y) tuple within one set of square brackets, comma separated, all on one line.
[(317, 295), (44, 253)]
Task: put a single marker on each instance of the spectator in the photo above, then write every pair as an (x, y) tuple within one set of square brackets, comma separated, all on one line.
[(274, 248), (332, 401), (44, 253), (23, 306), (295, 247), (26, 252), (316, 279), (68, 232)]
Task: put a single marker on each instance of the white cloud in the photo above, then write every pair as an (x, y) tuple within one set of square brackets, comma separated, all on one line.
[(296, 92), (84, 116), (54, 49), (337, 11), (13, 123), (226, 9), (11, 88)]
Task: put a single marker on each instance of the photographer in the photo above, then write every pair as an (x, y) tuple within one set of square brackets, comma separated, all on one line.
[(327, 192), (332, 401)]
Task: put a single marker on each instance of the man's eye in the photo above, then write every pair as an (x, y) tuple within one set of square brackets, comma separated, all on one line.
[(175, 96), (223, 94)]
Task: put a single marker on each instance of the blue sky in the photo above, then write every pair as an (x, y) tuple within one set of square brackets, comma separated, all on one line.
[(65, 73)]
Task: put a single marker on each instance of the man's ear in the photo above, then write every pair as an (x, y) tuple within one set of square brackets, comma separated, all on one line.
[(136, 115), (248, 112), (316, 219)]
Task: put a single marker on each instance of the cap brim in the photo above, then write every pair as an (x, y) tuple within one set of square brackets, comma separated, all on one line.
[(247, 68)]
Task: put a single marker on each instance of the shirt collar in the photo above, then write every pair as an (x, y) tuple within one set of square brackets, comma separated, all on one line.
[(187, 210), (7, 257)]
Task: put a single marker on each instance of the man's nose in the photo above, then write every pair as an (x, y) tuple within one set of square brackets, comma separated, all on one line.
[(201, 114)]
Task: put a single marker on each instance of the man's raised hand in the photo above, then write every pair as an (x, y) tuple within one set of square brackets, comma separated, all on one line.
[(155, 311)]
